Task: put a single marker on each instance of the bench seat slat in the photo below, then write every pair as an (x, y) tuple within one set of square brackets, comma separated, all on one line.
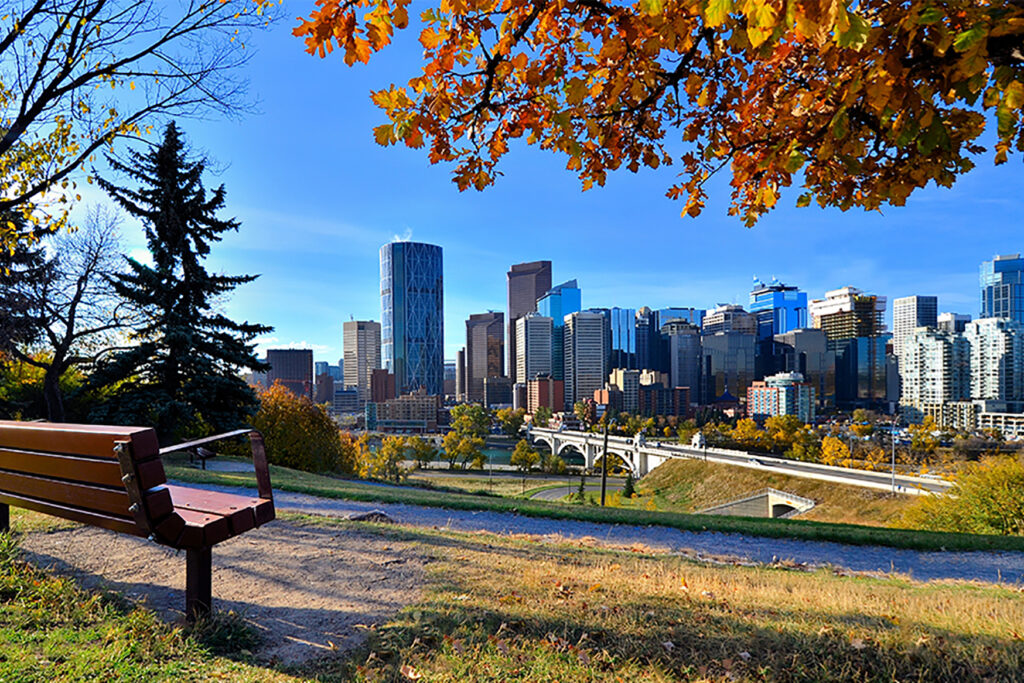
[(243, 513), (77, 468), (97, 498), (119, 524), (202, 529), (74, 439)]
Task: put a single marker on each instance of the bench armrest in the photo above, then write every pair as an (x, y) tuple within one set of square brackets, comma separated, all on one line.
[(259, 456)]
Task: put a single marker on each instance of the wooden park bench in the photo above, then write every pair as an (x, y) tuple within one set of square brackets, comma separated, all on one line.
[(113, 477)]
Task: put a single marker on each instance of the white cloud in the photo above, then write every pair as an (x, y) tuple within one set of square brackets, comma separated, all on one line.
[(406, 236)]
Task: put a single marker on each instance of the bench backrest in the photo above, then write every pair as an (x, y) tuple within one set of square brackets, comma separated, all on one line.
[(110, 477)]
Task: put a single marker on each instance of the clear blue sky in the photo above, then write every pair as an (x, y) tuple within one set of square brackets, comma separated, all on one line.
[(317, 198)]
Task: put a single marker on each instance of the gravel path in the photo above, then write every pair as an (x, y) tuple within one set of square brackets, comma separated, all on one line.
[(993, 567)]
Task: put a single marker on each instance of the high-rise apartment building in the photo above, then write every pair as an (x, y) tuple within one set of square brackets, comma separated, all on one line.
[(485, 351), (533, 346), (293, 368), (1002, 288), (778, 308), (586, 356), (361, 348), (934, 368), (910, 313), (729, 318), (527, 282), (558, 302), (684, 354), (412, 315), (997, 359), (952, 322), (782, 394), (847, 313)]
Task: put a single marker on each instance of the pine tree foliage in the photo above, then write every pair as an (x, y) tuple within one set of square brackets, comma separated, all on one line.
[(20, 266), (182, 376)]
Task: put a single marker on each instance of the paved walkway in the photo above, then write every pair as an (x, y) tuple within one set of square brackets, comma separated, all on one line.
[(992, 567)]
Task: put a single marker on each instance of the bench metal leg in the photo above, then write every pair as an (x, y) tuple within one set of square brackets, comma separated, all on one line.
[(198, 583), (5, 517)]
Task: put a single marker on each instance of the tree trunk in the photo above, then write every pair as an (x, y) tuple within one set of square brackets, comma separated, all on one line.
[(53, 396)]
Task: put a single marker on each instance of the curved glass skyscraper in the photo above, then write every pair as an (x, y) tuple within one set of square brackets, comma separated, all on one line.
[(412, 315)]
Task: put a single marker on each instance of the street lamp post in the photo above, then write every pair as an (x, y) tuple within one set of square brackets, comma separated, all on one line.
[(892, 438), (604, 462)]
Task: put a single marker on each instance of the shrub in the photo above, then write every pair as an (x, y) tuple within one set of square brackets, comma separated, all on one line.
[(987, 498), (300, 434), (386, 462)]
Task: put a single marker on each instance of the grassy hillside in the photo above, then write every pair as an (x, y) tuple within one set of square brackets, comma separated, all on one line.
[(495, 608), (513, 609), (688, 485)]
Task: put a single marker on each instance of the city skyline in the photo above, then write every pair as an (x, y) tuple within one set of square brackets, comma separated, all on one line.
[(314, 235)]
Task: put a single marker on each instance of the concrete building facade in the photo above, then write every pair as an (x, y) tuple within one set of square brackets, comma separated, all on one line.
[(586, 356), (908, 314), (361, 348), (526, 283), (485, 352)]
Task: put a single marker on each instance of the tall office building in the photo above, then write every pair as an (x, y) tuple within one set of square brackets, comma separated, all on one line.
[(586, 356), (412, 315), (910, 313), (628, 384), (485, 352), (533, 346), (361, 348), (847, 312), (293, 368), (863, 372), (997, 359), (806, 351), (449, 378), (727, 364), (684, 355), (952, 322), (729, 318), (1002, 288), (651, 344), (934, 368), (320, 367), (777, 308), (622, 327), (527, 282), (558, 302), (460, 374)]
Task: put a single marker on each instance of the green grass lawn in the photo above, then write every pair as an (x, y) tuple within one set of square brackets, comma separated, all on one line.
[(333, 487)]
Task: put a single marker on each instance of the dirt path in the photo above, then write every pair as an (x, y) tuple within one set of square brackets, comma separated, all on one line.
[(302, 587)]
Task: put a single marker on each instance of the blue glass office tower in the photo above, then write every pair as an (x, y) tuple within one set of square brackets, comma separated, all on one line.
[(559, 302), (622, 322), (1002, 288), (412, 315), (778, 308)]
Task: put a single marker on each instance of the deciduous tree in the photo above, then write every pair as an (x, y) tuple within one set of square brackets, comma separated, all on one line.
[(511, 420), (542, 416), (861, 103), (75, 75), (65, 308)]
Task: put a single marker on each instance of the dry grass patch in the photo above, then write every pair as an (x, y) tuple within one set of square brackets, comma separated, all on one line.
[(502, 609), (689, 485)]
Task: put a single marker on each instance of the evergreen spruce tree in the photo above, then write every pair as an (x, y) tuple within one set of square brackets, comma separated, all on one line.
[(26, 264), (182, 376)]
